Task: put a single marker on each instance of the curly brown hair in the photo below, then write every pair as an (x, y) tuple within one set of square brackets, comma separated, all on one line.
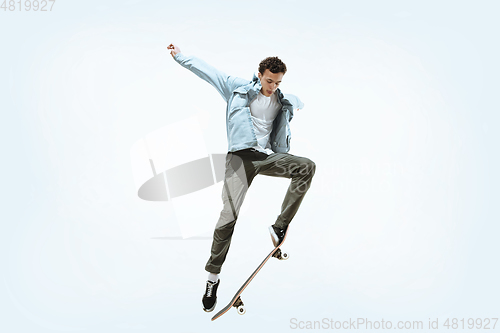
[(274, 64)]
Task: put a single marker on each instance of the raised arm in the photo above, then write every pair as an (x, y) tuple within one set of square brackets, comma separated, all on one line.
[(225, 84)]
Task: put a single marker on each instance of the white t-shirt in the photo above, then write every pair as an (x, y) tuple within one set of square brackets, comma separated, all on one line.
[(264, 110)]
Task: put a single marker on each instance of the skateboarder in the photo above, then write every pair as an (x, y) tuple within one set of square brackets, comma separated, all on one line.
[(258, 134)]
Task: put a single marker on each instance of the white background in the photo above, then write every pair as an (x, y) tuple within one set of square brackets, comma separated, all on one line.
[(401, 118)]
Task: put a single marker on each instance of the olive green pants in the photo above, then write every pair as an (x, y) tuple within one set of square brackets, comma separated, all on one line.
[(241, 168)]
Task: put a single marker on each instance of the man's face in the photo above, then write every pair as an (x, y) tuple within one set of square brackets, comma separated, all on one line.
[(270, 82)]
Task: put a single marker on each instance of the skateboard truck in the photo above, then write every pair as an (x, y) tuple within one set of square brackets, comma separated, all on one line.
[(240, 307), (281, 255)]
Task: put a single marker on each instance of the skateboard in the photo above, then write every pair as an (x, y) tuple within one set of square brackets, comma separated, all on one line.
[(236, 301)]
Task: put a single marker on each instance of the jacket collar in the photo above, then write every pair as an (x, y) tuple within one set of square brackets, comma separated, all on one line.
[(252, 88), (256, 83)]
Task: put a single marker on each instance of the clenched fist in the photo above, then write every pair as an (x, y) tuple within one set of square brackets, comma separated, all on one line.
[(174, 49)]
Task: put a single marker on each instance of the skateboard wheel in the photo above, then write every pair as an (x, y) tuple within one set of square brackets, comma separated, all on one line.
[(284, 256), (241, 310)]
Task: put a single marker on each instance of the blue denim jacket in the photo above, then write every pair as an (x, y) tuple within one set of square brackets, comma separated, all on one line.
[(239, 93)]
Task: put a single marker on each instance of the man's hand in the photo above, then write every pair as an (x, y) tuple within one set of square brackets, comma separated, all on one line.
[(174, 49)]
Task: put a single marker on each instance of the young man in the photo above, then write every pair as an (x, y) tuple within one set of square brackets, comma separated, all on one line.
[(258, 133)]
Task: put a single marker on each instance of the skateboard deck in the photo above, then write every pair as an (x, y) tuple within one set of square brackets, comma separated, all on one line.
[(236, 301)]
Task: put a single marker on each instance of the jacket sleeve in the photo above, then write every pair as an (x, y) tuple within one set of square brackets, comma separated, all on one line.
[(225, 84), (296, 104)]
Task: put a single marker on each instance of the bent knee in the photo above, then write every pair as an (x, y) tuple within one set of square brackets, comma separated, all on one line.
[(306, 166), (310, 165)]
